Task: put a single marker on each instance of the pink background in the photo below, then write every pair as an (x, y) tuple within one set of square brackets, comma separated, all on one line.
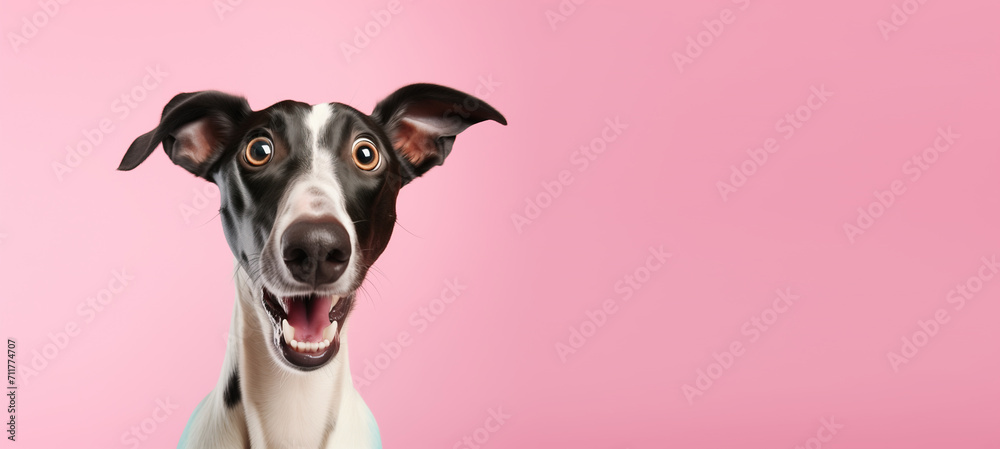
[(163, 336)]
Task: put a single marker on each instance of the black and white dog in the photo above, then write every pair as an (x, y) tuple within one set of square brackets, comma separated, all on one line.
[(308, 202)]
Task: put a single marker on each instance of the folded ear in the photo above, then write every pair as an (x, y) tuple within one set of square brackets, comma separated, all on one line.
[(194, 129), (422, 121)]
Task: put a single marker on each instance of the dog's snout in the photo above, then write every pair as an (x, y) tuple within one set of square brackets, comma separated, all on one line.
[(316, 252)]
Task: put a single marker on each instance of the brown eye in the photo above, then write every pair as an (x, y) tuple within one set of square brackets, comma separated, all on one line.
[(365, 154), (259, 151)]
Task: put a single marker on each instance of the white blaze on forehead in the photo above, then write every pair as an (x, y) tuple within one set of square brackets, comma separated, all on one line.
[(317, 120), (323, 192), (317, 192)]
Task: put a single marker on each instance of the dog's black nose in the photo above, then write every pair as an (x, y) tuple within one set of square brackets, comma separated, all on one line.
[(316, 251)]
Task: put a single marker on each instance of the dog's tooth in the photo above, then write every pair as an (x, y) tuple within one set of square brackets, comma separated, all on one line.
[(296, 345), (314, 347), (333, 302), (330, 331), (287, 331)]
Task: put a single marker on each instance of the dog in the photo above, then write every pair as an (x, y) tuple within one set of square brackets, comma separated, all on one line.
[(308, 203)]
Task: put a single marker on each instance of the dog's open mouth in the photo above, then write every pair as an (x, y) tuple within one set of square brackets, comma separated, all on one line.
[(307, 328)]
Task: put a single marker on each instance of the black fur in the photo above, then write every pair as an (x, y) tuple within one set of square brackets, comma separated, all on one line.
[(232, 395)]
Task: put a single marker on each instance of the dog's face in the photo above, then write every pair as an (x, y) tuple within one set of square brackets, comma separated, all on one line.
[(309, 193)]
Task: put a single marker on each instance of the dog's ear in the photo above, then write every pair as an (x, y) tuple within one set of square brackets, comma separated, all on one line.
[(194, 129), (422, 121)]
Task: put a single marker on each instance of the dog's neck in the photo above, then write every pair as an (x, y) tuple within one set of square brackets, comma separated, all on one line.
[(286, 408)]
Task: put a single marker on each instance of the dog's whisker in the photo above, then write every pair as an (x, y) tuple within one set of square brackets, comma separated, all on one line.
[(407, 230), (211, 219), (367, 295), (371, 299)]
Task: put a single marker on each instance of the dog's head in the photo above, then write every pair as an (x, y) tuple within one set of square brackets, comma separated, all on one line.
[(309, 193)]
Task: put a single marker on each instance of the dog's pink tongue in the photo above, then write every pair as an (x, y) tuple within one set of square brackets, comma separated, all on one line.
[(309, 317)]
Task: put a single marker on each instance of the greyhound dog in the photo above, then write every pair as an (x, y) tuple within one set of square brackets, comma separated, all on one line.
[(308, 203)]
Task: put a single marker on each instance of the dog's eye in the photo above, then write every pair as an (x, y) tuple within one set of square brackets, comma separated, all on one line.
[(259, 151), (366, 155)]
